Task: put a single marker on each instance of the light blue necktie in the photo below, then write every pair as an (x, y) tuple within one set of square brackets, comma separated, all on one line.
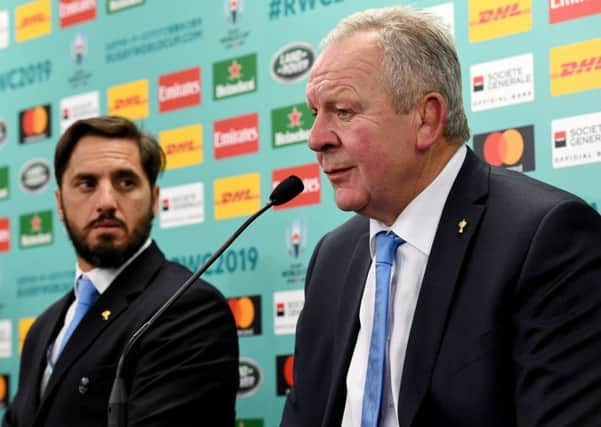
[(386, 246), (86, 295)]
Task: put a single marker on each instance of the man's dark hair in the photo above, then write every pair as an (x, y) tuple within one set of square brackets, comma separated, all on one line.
[(151, 153)]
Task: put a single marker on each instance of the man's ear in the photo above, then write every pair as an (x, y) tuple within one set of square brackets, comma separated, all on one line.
[(155, 199), (433, 112), (59, 204)]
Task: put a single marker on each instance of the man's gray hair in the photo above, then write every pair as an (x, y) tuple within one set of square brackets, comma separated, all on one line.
[(418, 57)]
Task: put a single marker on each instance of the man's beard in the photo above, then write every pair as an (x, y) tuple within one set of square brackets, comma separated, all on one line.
[(105, 254)]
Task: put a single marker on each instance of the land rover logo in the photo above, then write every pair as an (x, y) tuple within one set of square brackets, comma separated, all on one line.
[(250, 377), (35, 176), (292, 62)]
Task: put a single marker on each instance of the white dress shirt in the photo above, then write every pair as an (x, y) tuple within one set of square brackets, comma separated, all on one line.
[(101, 278), (416, 225)]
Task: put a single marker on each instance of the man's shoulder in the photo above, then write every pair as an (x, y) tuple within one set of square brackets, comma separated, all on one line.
[(348, 232)]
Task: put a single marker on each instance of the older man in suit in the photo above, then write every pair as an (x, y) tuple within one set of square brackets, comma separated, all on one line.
[(461, 295), (184, 370)]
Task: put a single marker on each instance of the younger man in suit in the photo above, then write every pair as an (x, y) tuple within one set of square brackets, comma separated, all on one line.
[(184, 370)]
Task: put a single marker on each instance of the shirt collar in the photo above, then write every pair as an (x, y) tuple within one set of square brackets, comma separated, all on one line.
[(418, 222), (103, 277)]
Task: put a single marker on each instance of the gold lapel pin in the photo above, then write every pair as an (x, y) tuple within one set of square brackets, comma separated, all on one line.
[(462, 224), (106, 314)]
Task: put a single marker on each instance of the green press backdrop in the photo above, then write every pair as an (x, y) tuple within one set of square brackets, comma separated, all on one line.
[(221, 84)]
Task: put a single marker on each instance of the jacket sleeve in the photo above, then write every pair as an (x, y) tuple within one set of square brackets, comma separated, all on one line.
[(186, 369), (557, 319)]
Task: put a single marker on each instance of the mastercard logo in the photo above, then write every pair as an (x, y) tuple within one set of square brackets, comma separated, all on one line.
[(511, 148), (35, 123), (246, 311), (287, 370), (3, 389), (285, 378), (503, 148)]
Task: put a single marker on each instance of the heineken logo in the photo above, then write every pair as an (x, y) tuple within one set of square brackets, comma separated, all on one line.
[(3, 182), (291, 125), (35, 229), (235, 76), (292, 62), (35, 176), (250, 377)]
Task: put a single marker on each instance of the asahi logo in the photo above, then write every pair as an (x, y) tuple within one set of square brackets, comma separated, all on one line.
[(292, 62), (35, 176), (235, 76), (251, 377)]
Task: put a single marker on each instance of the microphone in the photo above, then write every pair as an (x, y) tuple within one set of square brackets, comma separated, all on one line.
[(286, 190)]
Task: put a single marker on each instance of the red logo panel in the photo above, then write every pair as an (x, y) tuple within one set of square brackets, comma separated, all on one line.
[(73, 12), (560, 10), (180, 89), (236, 136), (311, 178)]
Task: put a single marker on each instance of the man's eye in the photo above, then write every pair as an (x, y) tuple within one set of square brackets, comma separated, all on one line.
[(343, 113), (127, 183), (313, 112), (85, 184)]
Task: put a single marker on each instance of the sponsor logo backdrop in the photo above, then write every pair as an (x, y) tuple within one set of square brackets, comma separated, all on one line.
[(221, 84)]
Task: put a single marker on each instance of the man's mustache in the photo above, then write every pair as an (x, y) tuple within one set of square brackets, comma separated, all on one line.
[(105, 216)]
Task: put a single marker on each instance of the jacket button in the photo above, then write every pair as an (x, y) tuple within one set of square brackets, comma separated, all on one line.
[(83, 385)]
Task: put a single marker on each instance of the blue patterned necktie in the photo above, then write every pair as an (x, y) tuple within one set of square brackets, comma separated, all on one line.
[(86, 295), (386, 246)]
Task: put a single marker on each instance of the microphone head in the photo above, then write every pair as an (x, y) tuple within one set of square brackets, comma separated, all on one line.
[(286, 190)]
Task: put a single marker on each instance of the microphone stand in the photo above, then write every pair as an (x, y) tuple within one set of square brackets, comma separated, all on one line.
[(117, 408), (117, 405)]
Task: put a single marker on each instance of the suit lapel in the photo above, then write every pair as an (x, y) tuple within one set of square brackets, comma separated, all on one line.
[(115, 300), (464, 207), (347, 327)]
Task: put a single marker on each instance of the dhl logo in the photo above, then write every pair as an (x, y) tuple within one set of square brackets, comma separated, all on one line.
[(38, 18), (500, 13), (33, 19), (505, 18), (237, 195), (129, 100), (183, 146), (575, 68)]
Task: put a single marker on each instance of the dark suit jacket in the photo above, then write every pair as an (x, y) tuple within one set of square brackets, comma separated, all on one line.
[(183, 372), (507, 329)]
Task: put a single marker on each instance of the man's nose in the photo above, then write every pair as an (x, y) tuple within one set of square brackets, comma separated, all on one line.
[(106, 197), (321, 136)]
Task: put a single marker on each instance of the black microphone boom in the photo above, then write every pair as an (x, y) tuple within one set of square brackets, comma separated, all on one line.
[(289, 188)]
